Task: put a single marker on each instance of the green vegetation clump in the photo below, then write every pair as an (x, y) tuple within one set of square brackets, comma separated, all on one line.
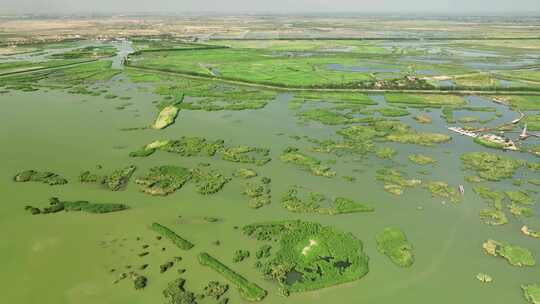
[(164, 180), (484, 278), (393, 112), (246, 154), (426, 100), (263, 252), (392, 130), (442, 190), (56, 206), (494, 216), (140, 282), (185, 146), (515, 255), (172, 236), (393, 243), (175, 293), (168, 111), (447, 114), (531, 293), (394, 181), (386, 153), (248, 290), (532, 122), (491, 167), (489, 144), (240, 255), (309, 163), (310, 256), (215, 290), (423, 118), (208, 181), (326, 116), (45, 177), (299, 200), (117, 180), (259, 193), (245, 173), (421, 159), (520, 203)]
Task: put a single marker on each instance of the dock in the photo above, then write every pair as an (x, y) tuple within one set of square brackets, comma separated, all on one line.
[(462, 131)]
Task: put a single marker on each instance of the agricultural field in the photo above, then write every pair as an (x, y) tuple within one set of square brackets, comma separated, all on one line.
[(268, 165)]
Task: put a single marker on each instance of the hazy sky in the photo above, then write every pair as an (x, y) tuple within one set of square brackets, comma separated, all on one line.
[(276, 6)]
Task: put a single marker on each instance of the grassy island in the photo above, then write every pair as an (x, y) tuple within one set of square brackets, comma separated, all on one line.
[(491, 167), (172, 236), (248, 290), (115, 181), (393, 243), (531, 293), (300, 200), (515, 255), (164, 180), (309, 256), (45, 177), (56, 205), (309, 163)]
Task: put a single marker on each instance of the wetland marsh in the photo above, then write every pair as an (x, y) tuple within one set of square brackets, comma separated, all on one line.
[(280, 171)]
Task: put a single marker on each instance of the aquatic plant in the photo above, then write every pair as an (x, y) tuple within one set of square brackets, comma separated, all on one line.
[(317, 256), (531, 292), (394, 181), (115, 181), (215, 290), (246, 154), (240, 255), (309, 163), (423, 118), (515, 255), (175, 293), (245, 173), (494, 216), (258, 192), (421, 159), (393, 243), (55, 205), (208, 181), (442, 190), (45, 177), (386, 153), (164, 180), (248, 290), (298, 199), (491, 166), (172, 236)]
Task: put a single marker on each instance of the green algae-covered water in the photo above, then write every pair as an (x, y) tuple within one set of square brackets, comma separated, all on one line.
[(68, 257)]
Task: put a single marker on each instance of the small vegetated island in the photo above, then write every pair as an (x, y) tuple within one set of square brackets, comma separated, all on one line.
[(56, 205), (45, 177), (172, 236), (168, 111), (301, 200), (248, 290), (515, 255), (308, 255), (164, 180), (115, 181), (199, 146), (393, 243), (531, 293), (304, 161)]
